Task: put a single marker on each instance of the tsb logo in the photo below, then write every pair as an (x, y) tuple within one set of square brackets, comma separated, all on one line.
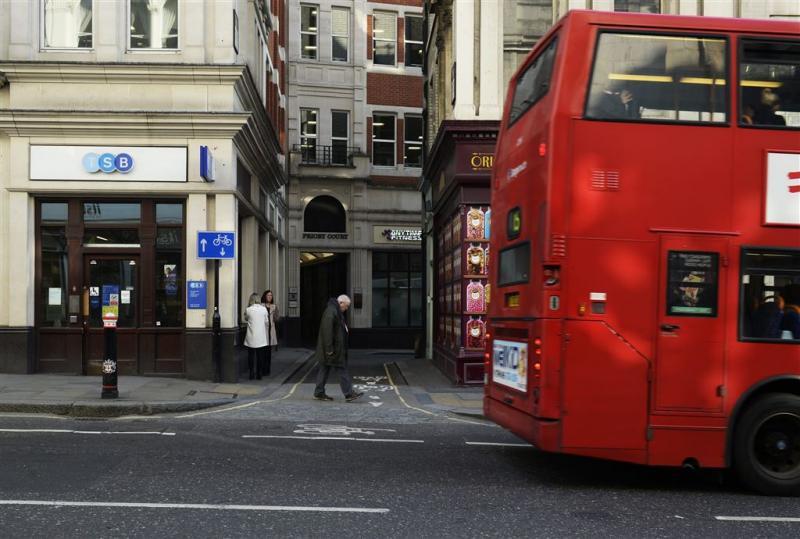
[(107, 162)]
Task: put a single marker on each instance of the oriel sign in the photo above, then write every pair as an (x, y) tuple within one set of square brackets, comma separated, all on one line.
[(481, 161)]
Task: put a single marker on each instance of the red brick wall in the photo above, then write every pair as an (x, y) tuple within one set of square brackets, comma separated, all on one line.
[(369, 136), (397, 90), (369, 37), (399, 140), (401, 40)]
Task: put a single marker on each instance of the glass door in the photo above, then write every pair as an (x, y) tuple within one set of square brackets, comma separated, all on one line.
[(113, 283)]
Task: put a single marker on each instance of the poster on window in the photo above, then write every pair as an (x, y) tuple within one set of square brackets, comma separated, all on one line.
[(692, 283)]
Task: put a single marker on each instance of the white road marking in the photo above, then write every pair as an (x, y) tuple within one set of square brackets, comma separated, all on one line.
[(376, 404), (339, 430), (66, 431), (395, 440), (374, 397), (498, 444), (759, 519), (204, 506)]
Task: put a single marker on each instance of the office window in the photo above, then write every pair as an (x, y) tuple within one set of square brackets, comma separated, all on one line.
[(384, 38), (414, 37), (412, 150), (308, 135), (340, 34), (396, 289), (154, 24), (638, 6), (340, 130), (383, 134), (68, 25), (308, 32)]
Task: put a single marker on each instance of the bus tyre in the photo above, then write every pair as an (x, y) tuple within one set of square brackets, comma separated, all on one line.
[(767, 445)]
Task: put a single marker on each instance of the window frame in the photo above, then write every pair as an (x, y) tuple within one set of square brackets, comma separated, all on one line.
[(168, 50), (304, 137), (412, 42), (346, 36), (417, 143), (314, 32), (384, 141), (375, 39), (335, 138), (43, 39), (666, 34)]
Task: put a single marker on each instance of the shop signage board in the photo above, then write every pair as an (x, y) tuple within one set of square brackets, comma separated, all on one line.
[(207, 165), (108, 163), (216, 245), (196, 294)]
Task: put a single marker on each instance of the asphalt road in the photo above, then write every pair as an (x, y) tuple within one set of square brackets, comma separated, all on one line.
[(289, 466)]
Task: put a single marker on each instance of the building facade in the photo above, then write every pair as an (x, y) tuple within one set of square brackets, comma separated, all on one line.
[(125, 129), (355, 133), (473, 47)]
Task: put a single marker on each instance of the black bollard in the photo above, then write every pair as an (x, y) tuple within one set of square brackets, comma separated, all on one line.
[(217, 345), (110, 390)]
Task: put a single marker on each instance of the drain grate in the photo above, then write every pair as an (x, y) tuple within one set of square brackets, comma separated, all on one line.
[(397, 374)]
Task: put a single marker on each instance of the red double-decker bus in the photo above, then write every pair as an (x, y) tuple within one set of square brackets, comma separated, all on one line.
[(645, 303)]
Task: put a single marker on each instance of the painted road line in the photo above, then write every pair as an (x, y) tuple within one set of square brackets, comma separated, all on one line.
[(498, 444), (760, 519), (203, 506), (66, 431), (349, 439)]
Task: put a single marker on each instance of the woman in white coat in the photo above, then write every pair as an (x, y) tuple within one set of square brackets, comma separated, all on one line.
[(256, 339), (272, 337)]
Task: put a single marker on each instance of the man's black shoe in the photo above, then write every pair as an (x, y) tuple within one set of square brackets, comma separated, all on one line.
[(353, 396), (323, 397)]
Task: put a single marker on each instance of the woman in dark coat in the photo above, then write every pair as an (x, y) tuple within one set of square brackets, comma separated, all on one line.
[(332, 349)]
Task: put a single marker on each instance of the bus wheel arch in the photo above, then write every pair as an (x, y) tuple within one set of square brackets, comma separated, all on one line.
[(766, 442)]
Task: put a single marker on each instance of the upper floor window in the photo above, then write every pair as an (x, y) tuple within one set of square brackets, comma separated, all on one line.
[(414, 37), (384, 38), (659, 77), (412, 150), (768, 89), (340, 136), (340, 34), (154, 24), (68, 24), (308, 31), (638, 6), (383, 137), (308, 134)]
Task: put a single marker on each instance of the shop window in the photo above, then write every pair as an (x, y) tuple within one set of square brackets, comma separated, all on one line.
[(54, 270), (112, 213), (769, 307), (67, 25), (384, 38), (111, 237), (340, 34), (412, 149), (383, 137), (308, 31), (324, 214), (396, 289), (768, 89), (169, 266), (414, 36), (153, 24), (54, 213)]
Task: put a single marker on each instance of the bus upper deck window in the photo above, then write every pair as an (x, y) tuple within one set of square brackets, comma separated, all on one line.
[(769, 91), (658, 77)]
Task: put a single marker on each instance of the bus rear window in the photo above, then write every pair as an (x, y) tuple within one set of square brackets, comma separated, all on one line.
[(533, 83), (656, 77), (514, 264), (770, 295)]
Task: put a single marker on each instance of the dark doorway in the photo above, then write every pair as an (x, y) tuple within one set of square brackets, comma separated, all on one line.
[(322, 276)]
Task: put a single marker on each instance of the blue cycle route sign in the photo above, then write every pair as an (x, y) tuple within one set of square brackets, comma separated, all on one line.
[(215, 244)]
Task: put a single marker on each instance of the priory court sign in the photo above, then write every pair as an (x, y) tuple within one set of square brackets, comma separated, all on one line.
[(325, 235)]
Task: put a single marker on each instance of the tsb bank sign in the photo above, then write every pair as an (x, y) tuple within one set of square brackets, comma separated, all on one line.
[(107, 162)]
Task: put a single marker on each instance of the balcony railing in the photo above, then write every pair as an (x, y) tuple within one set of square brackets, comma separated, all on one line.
[(326, 156)]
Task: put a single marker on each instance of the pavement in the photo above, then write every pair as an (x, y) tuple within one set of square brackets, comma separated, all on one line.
[(79, 396)]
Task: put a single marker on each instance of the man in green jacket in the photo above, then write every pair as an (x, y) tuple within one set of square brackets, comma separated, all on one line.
[(332, 350)]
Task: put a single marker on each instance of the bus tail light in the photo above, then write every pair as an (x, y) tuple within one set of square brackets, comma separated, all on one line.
[(537, 356), (542, 149)]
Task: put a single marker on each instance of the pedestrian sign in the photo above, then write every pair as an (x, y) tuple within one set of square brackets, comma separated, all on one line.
[(215, 244)]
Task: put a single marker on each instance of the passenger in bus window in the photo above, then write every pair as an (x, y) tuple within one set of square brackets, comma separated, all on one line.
[(790, 323), (747, 114), (617, 104), (765, 112), (768, 318)]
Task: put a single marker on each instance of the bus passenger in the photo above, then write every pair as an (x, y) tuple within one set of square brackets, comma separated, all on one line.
[(765, 112), (617, 105), (767, 319), (790, 324)]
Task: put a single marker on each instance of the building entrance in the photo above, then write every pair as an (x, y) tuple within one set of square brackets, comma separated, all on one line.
[(322, 276)]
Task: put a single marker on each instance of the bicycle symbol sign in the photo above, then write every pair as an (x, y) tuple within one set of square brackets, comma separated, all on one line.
[(216, 245)]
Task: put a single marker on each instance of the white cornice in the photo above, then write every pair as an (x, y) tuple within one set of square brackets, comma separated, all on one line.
[(93, 73), (16, 122)]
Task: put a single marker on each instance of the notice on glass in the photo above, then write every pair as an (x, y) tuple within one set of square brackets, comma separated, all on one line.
[(125, 296), (54, 296)]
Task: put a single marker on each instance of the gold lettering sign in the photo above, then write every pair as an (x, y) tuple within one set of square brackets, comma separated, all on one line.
[(481, 161)]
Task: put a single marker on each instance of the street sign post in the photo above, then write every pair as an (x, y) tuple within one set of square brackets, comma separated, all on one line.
[(215, 245)]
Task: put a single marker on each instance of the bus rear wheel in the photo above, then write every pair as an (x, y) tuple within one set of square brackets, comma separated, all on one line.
[(767, 445)]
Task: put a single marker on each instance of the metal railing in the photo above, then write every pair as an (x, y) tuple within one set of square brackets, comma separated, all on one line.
[(326, 156)]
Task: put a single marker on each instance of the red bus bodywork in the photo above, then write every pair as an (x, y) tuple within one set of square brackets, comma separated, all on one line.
[(601, 204)]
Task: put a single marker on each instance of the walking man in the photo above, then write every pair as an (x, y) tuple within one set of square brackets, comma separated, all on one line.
[(332, 350)]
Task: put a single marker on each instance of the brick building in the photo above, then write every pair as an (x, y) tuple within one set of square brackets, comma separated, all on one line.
[(355, 133)]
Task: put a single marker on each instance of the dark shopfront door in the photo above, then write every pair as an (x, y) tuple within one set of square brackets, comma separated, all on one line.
[(321, 277), (113, 284)]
